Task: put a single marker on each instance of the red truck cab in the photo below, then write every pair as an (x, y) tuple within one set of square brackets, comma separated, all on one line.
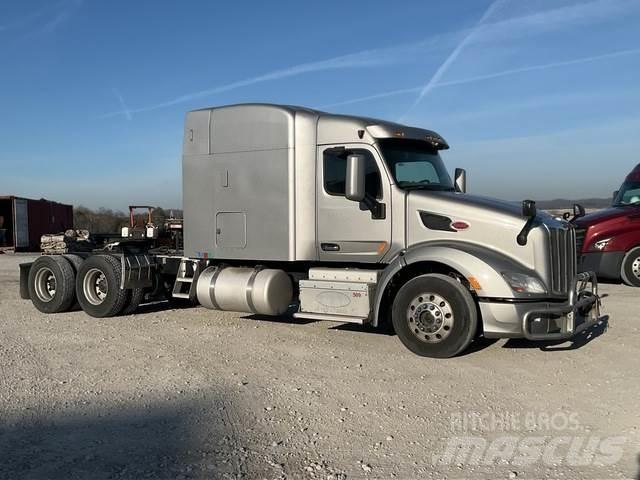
[(608, 241)]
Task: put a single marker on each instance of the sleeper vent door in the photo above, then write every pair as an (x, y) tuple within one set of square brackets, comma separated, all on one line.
[(231, 230)]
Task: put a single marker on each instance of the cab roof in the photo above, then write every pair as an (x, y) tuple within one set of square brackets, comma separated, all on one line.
[(331, 126)]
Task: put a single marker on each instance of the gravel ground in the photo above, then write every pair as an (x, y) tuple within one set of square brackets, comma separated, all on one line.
[(194, 393)]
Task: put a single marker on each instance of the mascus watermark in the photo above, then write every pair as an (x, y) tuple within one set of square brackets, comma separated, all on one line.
[(521, 439)]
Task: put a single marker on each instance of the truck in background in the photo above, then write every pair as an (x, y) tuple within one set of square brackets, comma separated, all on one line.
[(338, 218), (609, 240)]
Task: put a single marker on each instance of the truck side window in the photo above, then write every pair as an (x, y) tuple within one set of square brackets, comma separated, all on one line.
[(335, 170)]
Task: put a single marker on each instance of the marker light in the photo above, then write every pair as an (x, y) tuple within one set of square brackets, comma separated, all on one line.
[(474, 283)]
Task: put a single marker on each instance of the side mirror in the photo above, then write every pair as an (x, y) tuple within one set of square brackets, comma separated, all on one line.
[(529, 211), (355, 178), (529, 208), (578, 211), (460, 180)]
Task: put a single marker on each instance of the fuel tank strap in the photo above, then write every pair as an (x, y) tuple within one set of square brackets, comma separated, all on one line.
[(212, 288), (250, 283)]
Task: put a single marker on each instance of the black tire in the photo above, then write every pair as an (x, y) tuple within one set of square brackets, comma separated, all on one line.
[(98, 286), (434, 316), (74, 260), (134, 299), (51, 284)]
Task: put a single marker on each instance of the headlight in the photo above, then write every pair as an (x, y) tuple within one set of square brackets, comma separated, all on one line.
[(523, 283), (601, 244)]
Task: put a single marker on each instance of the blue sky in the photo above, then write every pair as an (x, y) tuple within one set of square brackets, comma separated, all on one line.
[(538, 98)]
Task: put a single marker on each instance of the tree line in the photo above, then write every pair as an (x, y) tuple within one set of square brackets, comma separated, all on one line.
[(106, 220)]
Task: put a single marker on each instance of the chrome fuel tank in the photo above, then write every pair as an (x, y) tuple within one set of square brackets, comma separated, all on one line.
[(239, 289)]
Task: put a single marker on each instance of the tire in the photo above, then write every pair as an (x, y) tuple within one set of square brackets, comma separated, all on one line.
[(74, 260), (134, 298), (630, 270), (51, 284), (434, 316), (98, 286)]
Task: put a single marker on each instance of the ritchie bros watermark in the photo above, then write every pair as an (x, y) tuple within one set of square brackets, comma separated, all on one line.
[(527, 438)]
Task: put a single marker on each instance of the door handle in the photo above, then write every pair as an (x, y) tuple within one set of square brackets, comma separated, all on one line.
[(330, 247)]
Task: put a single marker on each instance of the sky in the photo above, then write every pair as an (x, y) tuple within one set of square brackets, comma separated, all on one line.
[(538, 99)]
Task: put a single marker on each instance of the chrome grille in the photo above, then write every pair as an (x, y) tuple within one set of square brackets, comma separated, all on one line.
[(580, 234), (563, 258)]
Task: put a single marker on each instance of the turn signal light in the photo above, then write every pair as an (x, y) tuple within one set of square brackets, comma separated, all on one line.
[(475, 284)]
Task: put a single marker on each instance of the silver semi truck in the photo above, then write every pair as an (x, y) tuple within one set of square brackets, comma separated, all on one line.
[(338, 218)]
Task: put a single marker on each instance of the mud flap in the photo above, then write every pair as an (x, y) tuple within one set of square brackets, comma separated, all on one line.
[(25, 268)]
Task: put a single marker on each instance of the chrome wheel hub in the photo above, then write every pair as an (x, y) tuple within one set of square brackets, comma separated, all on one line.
[(430, 317), (45, 285), (635, 268), (95, 286)]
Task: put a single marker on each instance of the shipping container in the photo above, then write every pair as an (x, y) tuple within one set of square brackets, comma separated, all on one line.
[(23, 221)]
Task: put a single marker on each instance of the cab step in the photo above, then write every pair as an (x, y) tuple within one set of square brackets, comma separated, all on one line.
[(185, 284), (331, 318), (180, 295)]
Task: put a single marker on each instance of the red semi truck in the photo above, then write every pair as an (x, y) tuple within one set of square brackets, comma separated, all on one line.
[(608, 241)]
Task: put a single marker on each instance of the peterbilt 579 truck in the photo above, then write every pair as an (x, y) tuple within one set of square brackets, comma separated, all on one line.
[(338, 218)]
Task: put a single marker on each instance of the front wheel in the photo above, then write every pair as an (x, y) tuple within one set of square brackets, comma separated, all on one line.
[(434, 316), (630, 271)]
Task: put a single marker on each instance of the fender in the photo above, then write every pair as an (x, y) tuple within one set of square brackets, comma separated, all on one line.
[(470, 260)]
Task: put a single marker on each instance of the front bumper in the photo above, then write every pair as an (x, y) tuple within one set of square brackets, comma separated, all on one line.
[(545, 320)]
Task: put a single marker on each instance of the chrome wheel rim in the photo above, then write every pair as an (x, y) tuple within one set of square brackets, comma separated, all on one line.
[(430, 317), (95, 286), (635, 268), (45, 285)]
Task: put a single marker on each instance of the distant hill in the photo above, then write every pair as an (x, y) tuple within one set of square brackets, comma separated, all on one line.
[(562, 203)]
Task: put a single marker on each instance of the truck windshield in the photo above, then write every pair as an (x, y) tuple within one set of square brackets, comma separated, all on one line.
[(415, 164), (629, 194)]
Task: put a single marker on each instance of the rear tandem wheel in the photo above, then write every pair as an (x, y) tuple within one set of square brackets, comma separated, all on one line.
[(51, 284), (98, 287)]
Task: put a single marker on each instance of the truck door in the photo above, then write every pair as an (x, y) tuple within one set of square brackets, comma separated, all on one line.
[(348, 231)]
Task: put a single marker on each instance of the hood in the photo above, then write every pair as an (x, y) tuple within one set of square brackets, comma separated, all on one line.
[(464, 204), (605, 215), (464, 200), (488, 222), (473, 209)]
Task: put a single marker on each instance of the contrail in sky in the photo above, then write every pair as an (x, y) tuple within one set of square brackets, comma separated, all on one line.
[(62, 11), (25, 20), (453, 56), (483, 30), (488, 76), (126, 111), (367, 58)]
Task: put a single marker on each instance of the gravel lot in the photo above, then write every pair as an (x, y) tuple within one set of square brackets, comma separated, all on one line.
[(194, 393)]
